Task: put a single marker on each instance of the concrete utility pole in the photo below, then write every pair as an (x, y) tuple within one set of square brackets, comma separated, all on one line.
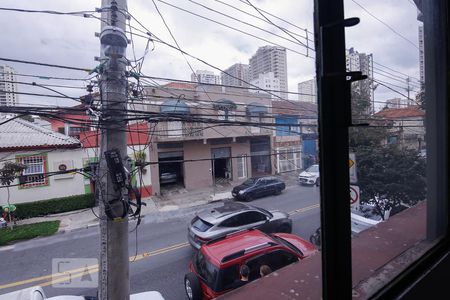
[(114, 282), (408, 89)]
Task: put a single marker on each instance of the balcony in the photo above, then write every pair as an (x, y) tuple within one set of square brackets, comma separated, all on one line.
[(176, 130)]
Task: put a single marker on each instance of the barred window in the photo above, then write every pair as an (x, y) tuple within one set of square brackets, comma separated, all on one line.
[(33, 175)]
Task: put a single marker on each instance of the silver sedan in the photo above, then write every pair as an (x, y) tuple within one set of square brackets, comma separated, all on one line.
[(214, 223)]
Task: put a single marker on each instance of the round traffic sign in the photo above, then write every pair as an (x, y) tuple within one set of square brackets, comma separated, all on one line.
[(353, 195)]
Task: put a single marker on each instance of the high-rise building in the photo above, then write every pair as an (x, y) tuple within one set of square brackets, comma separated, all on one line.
[(363, 62), (204, 76), (307, 91), (270, 59), (421, 55), (236, 75), (8, 86), (266, 81), (397, 103)]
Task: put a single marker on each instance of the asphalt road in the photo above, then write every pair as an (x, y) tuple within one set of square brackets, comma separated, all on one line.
[(162, 251)]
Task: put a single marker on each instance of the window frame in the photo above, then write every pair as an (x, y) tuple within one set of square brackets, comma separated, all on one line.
[(45, 180), (336, 245)]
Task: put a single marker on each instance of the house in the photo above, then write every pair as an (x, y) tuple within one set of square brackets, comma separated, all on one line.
[(71, 121), (43, 152), (295, 135), (408, 126), (204, 154), (138, 149)]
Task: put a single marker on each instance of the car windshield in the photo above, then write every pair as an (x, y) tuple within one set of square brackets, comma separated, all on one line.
[(250, 181), (287, 244), (200, 224), (313, 169)]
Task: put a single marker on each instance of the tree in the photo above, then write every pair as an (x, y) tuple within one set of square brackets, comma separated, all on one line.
[(388, 175), (9, 172)]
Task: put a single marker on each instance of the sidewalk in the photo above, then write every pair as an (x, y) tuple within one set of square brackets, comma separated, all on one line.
[(170, 200), (87, 218)]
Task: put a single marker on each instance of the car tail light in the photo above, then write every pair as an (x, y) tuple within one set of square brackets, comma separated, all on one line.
[(200, 240)]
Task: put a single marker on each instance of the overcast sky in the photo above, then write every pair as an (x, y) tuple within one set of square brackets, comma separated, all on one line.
[(68, 40)]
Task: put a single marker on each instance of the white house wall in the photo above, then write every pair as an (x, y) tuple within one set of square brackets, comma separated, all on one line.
[(59, 186)]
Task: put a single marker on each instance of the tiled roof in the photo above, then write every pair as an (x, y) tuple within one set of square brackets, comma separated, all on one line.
[(301, 108), (21, 134), (406, 112), (180, 85)]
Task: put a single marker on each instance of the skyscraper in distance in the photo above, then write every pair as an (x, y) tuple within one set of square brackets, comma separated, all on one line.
[(8, 86), (204, 76), (270, 59), (236, 75)]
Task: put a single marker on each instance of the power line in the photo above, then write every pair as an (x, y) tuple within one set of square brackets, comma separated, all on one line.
[(279, 27), (52, 12), (230, 27), (49, 77), (264, 20), (44, 64), (385, 24), (295, 41)]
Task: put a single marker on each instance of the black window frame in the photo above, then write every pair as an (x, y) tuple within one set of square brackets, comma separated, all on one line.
[(331, 74)]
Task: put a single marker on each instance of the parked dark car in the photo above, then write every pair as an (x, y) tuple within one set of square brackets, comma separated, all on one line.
[(233, 216), (168, 177), (258, 187)]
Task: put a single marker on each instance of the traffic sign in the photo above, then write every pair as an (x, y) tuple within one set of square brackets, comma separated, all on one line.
[(352, 168), (354, 195)]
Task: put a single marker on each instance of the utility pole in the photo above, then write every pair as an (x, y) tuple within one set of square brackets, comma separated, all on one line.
[(114, 282), (408, 89)]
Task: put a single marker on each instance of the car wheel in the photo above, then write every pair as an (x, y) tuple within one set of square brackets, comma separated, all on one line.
[(277, 191), (317, 181), (285, 228), (192, 287)]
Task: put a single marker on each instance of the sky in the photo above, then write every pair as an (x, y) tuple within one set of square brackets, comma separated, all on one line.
[(71, 41)]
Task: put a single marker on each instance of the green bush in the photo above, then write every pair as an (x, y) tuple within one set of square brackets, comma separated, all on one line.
[(29, 231), (53, 206)]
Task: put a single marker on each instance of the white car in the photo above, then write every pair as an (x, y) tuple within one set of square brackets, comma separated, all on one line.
[(37, 293), (310, 176)]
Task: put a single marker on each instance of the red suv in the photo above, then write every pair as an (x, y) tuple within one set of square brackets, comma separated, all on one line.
[(214, 269)]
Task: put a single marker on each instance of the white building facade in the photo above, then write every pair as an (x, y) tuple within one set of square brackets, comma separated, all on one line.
[(8, 86), (204, 76), (266, 81), (270, 59), (236, 75), (363, 62), (43, 152), (307, 91)]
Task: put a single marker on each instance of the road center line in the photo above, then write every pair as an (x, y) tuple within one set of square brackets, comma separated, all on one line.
[(91, 267), (74, 273)]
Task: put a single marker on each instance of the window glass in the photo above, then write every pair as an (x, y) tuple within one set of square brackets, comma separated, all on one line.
[(388, 179)]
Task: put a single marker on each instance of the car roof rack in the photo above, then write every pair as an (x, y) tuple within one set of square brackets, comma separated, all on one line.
[(247, 250), (227, 235)]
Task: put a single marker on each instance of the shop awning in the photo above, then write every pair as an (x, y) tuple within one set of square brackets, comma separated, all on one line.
[(224, 104), (175, 107), (256, 109)]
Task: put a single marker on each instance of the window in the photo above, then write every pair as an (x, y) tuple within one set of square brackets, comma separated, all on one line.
[(226, 114), (288, 159), (34, 174), (242, 166), (174, 128)]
